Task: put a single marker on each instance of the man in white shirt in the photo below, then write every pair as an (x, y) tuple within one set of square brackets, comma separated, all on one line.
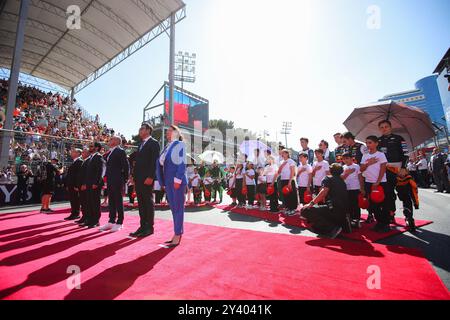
[(423, 176)]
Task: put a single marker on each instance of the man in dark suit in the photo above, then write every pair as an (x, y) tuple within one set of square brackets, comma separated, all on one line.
[(95, 172), (117, 172), (144, 175), (82, 180), (72, 184)]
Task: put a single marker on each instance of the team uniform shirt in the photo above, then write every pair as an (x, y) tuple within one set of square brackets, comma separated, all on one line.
[(286, 171), (239, 174), (395, 149), (352, 181), (270, 171), (232, 181), (320, 174), (195, 182), (357, 151), (338, 152), (249, 181), (207, 181), (303, 178), (372, 172)]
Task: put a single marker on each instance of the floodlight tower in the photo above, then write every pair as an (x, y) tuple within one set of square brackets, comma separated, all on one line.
[(286, 129)]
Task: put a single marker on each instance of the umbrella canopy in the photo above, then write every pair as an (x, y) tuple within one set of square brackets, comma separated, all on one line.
[(249, 148), (211, 156), (413, 124)]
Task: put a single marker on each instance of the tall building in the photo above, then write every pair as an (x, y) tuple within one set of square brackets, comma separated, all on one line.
[(425, 96), (443, 82)]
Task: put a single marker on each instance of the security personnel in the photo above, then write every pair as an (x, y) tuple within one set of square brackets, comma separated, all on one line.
[(396, 151)]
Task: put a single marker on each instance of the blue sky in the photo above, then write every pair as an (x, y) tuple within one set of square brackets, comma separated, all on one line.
[(264, 62)]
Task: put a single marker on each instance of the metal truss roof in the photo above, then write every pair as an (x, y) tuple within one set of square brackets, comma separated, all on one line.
[(110, 31)]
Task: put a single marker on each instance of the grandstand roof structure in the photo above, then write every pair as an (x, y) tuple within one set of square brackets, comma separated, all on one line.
[(110, 31)]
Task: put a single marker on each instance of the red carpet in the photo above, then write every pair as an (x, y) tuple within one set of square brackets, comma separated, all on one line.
[(363, 234), (165, 206), (211, 263)]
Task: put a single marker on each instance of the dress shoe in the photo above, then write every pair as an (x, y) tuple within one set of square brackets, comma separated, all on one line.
[(93, 225), (145, 233), (82, 220), (72, 217), (136, 233)]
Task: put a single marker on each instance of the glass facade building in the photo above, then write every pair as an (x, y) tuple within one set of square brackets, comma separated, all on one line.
[(426, 96)]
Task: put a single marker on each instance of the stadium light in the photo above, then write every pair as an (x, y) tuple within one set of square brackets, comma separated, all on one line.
[(185, 67)]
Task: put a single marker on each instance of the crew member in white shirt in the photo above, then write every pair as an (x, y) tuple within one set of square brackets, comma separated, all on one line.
[(321, 169)]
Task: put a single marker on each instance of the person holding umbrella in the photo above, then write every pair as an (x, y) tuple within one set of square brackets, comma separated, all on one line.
[(395, 149)]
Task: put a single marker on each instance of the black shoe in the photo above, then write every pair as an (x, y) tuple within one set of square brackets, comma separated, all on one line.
[(81, 221), (72, 217), (335, 232), (136, 233), (381, 228), (93, 225), (411, 224), (370, 219), (144, 234)]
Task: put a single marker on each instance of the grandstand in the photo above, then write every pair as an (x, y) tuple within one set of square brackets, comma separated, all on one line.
[(40, 38)]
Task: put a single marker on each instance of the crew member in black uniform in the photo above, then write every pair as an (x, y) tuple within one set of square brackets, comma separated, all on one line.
[(23, 178), (340, 149), (356, 149), (396, 151)]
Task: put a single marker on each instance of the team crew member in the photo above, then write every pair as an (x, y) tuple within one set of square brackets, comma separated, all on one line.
[(329, 219), (412, 169), (355, 185), (231, 181), (304, 177), (340, 149), (356, 149), (373, 167), (23, 177), (320, 170), (395, 149), (286, 172), (251, 185)]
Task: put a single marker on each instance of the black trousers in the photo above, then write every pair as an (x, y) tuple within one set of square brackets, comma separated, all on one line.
[(84, 204), (301, 194), (273, 198), (323, 220), (22, 193), (159, 195), (130, 193), (75, 203), (379, 210), (251, 192), (115, 201), (94, 209), (353, 205), (389, 191), (146, 206), (424, 180), (405, 195), (240, 196), (290, 201)]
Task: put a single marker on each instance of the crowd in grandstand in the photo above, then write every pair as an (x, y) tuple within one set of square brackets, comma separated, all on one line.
[(46, 126)]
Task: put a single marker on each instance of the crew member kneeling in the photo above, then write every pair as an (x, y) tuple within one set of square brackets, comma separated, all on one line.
[(330, 218)]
